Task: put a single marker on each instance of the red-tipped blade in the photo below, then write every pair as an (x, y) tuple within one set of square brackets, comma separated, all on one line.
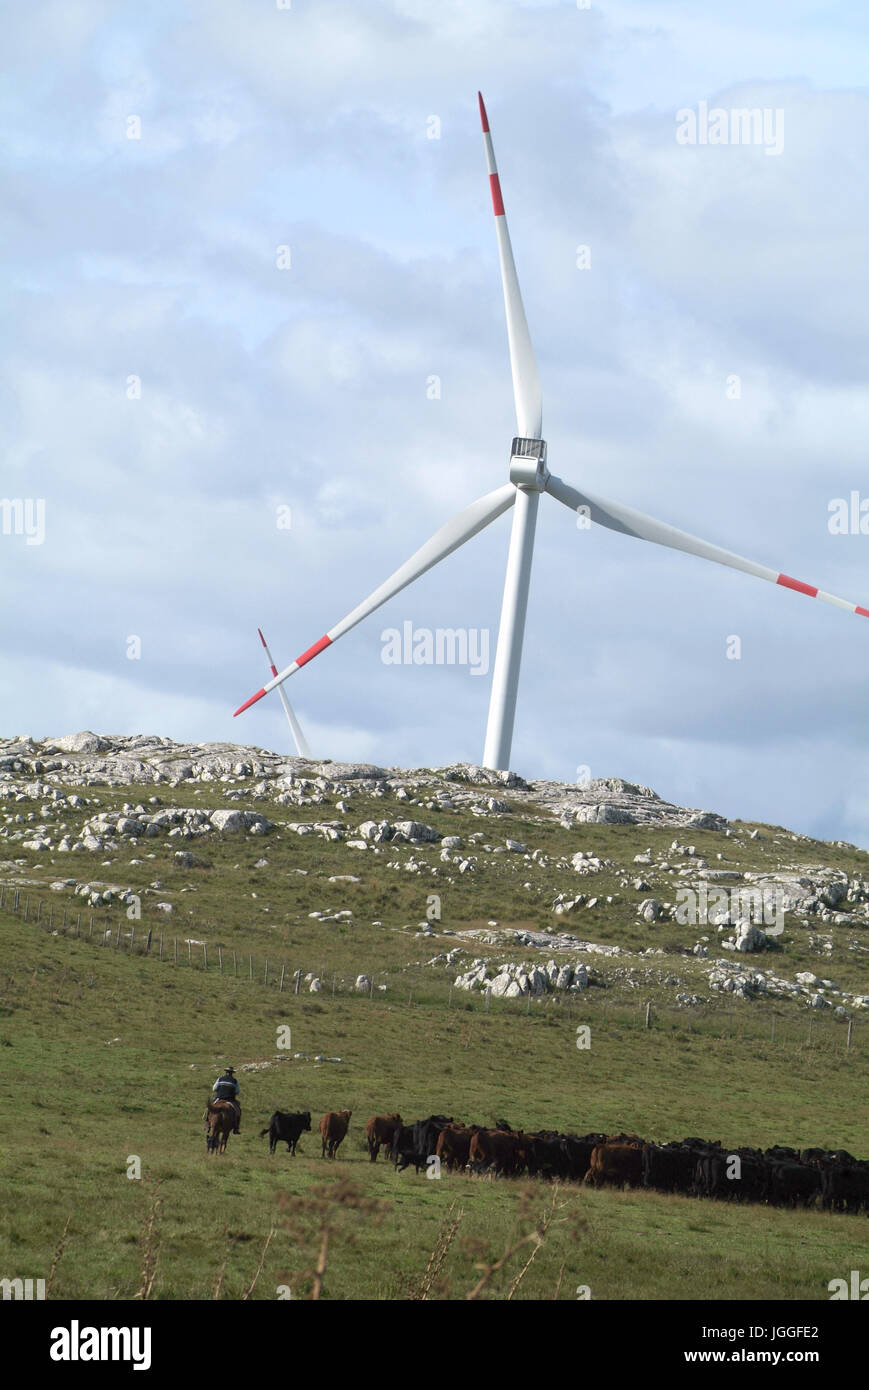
[(526, 382), (247, 704)]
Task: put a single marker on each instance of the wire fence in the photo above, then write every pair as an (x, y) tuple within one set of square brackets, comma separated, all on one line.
[(778, 1025)]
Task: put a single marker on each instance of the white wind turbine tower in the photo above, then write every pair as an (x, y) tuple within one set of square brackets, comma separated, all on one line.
[(529, 477), (295, 728)]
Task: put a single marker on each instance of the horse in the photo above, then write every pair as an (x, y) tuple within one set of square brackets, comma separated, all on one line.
[(219, 1123)]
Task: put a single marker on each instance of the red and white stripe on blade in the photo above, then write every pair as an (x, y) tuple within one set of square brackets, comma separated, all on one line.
[(295, 727), (459, 529), (526, 381), (630, 522)]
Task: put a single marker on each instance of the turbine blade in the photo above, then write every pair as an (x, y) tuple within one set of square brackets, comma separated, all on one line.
[(460, 529), (526, 381), (630, 522), (295, 727)]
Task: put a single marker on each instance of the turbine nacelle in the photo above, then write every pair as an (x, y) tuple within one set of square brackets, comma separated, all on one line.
[(528, 464)]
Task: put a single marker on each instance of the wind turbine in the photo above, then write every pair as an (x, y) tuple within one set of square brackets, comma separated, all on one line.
[(529, 477), (295, 728)]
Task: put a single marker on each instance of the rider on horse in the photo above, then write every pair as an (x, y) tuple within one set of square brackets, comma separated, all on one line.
[(227, 1088)]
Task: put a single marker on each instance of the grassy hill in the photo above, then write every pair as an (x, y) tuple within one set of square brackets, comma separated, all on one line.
[(109, 1052)]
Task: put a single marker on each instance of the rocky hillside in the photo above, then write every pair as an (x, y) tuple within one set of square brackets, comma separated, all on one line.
[(671, 900)]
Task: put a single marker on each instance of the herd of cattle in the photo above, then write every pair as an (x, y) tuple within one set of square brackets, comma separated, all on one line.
[(832, 1179)]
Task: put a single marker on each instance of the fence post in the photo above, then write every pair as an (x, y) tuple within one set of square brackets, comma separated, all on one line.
[(450, 1000), (132, 938), (234, 964), (118, 942), (205, 953), (266, 978), (649, 1014), (250, 966), (298, 981), (850, 1030), (488, 999), (161, 945), (334, 977), (39, 910), (148, 942), (26, 908), (410, 996), (220, 958), (189, 951), (175, 941), (281, 986)]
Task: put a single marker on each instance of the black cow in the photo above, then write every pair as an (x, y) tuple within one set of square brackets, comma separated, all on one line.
[(403, 1150), (578, 1151), (793, 1184), (284, 1128), (845, 1187), (781, 1153), (425, 1133), (416, 1143), (672, 1167), (546, 1154)]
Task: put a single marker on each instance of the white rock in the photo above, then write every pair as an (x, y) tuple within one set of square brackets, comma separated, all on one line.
[(414, 830)]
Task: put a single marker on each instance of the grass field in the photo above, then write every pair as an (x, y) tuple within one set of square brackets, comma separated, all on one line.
[(109, 1056)]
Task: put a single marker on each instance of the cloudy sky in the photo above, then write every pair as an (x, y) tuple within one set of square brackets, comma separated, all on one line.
[(171, 386)]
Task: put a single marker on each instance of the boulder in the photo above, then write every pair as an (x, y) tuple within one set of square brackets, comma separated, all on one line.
[(750, 938), (235, 822), (85, 742), (415, 830)]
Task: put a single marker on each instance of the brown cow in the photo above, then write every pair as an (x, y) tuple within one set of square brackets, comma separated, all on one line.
[(333, 1127), (617, 1164), (495, 1151), (380, 1130), (454, 1145)]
